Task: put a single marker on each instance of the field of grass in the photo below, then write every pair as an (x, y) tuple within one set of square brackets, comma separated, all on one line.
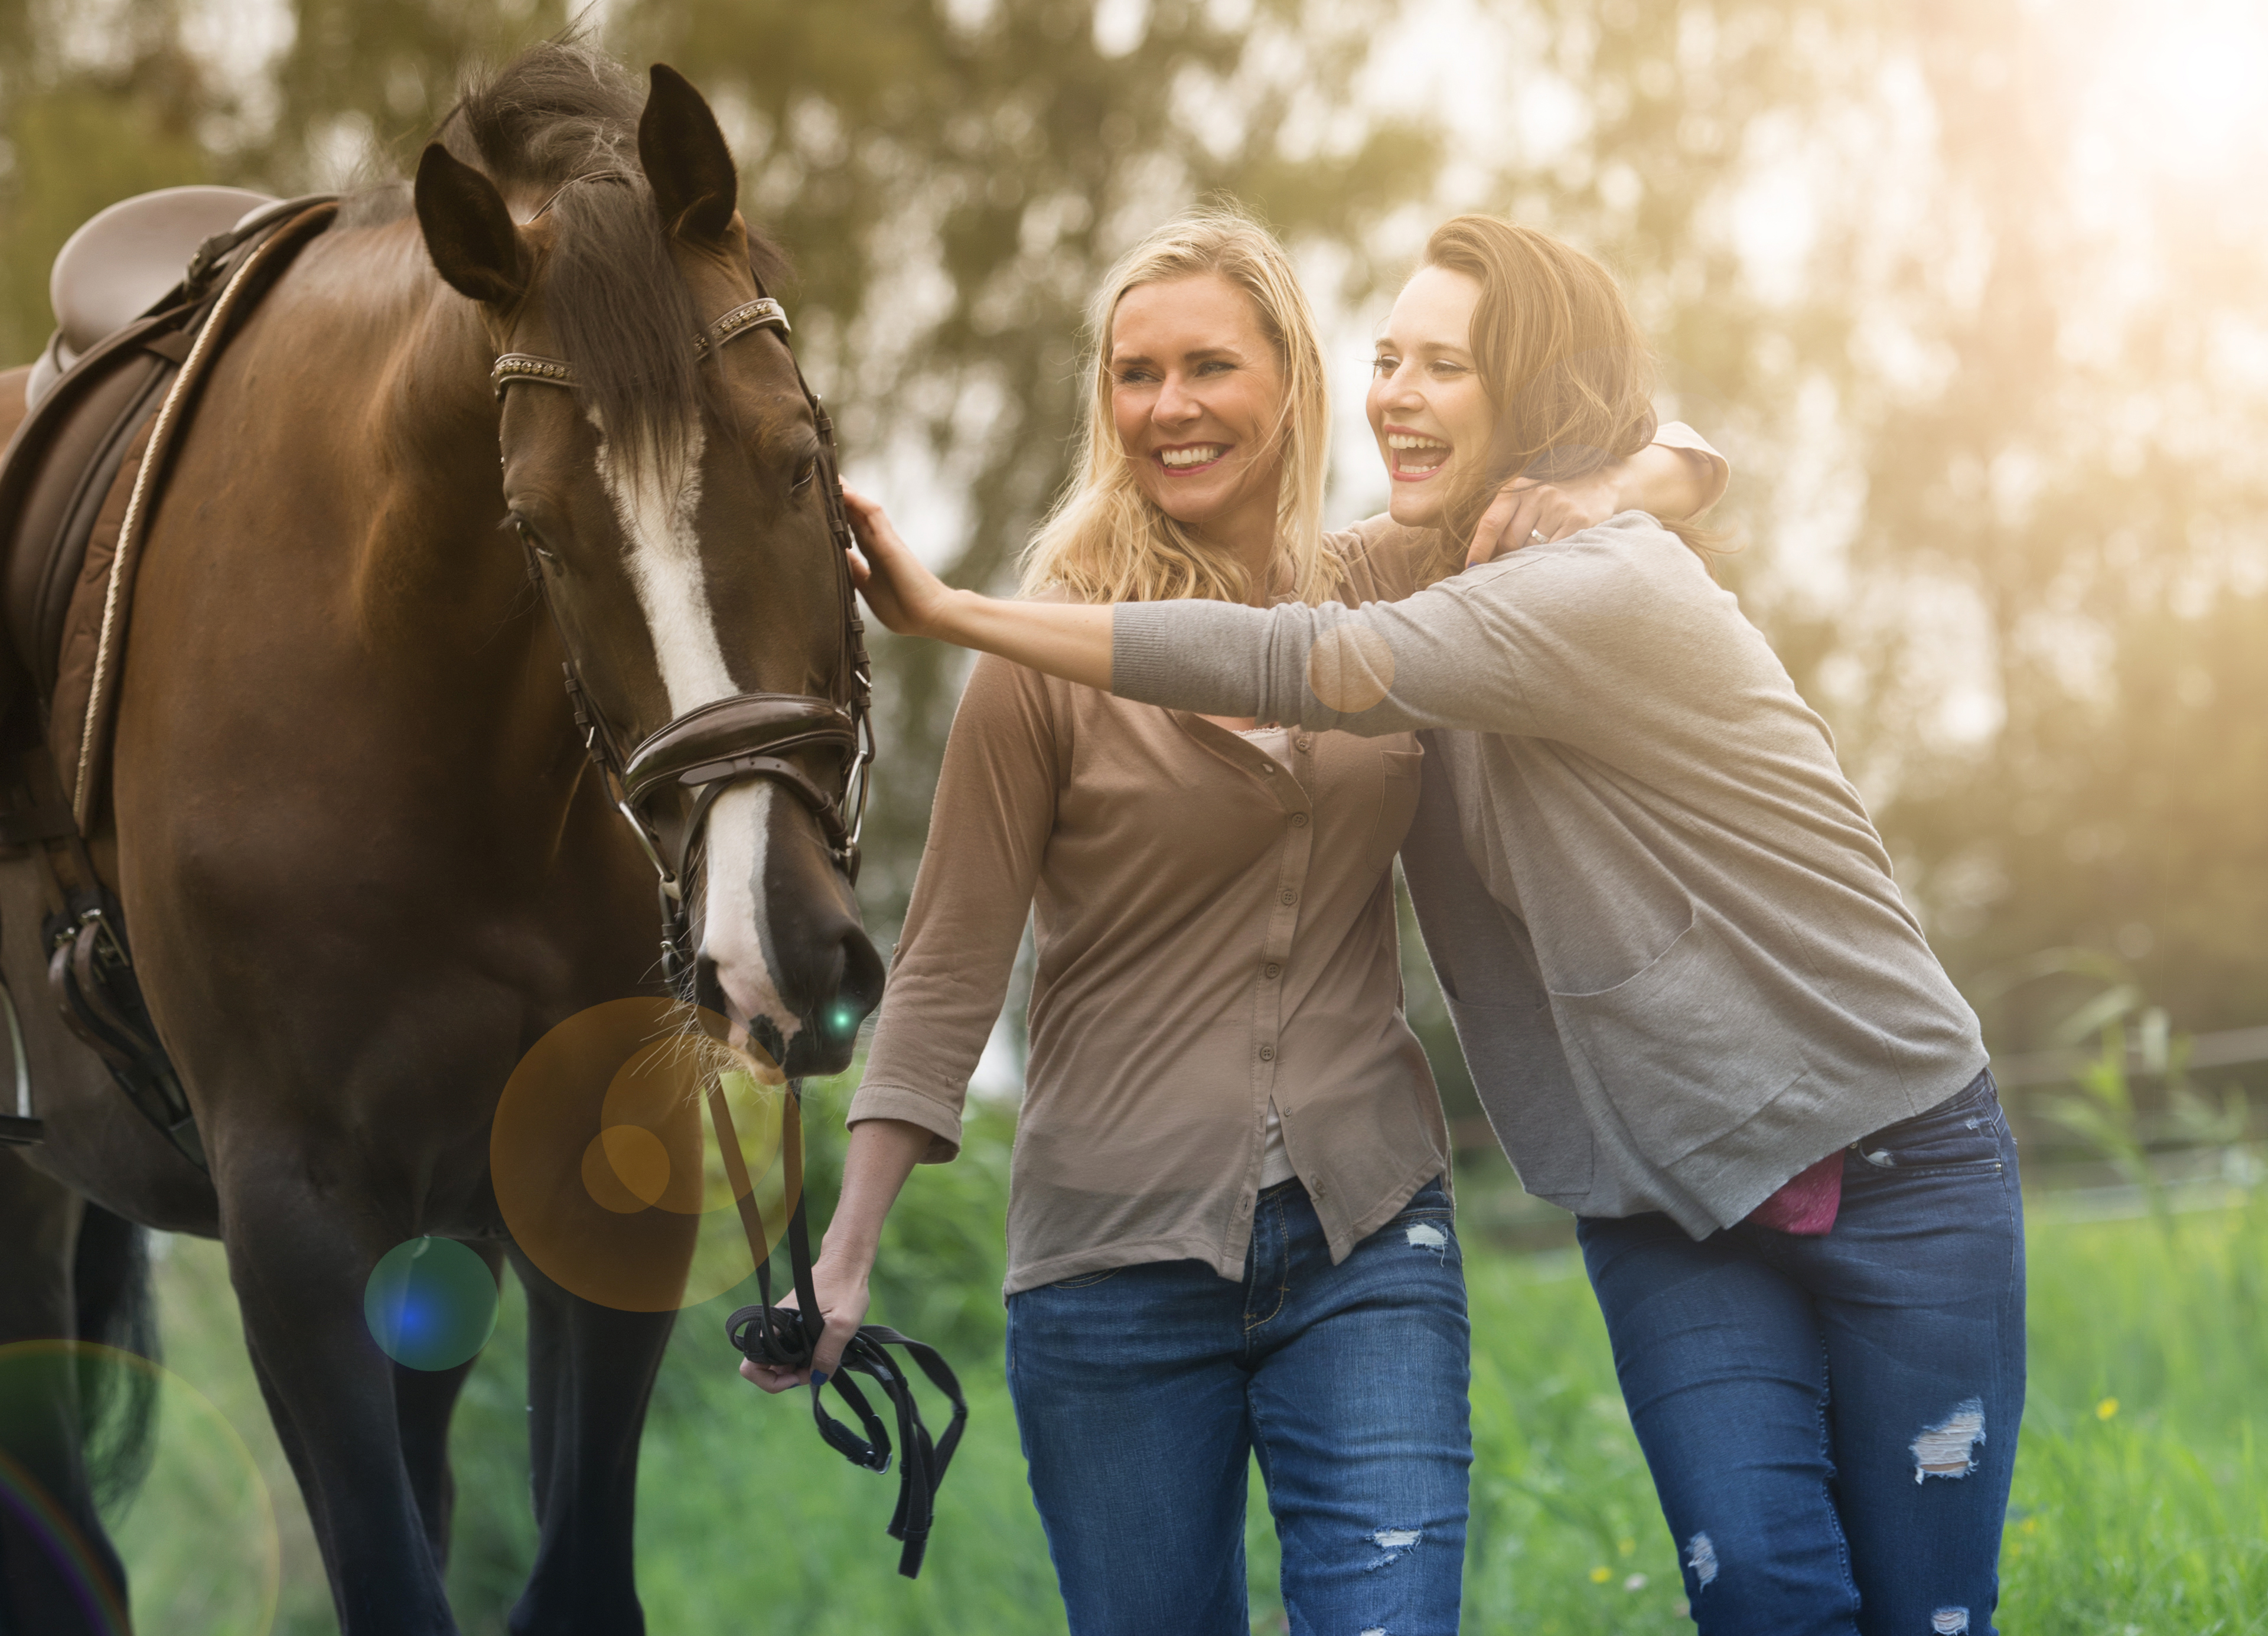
[(2141, 1500)]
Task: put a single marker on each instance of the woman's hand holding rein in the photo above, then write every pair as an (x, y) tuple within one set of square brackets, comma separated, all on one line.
[(883, 1153), (1066, 639)]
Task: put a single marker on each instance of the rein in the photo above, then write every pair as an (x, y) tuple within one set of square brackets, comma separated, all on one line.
[(704, 752)]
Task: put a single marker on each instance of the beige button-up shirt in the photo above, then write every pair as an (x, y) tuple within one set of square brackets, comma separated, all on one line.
[(1213, 931)]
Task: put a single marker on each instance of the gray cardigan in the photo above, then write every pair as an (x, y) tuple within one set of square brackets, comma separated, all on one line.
[(1666, 930)]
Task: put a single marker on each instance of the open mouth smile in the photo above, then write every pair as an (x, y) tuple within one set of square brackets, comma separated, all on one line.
[(1191, 458), (1414, 456)]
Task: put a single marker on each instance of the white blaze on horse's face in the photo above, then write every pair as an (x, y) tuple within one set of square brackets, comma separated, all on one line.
[(656, 500)]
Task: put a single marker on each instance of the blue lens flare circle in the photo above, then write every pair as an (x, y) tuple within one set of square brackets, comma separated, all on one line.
[(431, 1304)]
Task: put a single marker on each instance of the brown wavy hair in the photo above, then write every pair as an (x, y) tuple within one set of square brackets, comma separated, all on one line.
[(1562, 360)]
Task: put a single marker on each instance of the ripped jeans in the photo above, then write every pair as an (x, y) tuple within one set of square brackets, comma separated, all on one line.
[(1142, 1392), (1831, 1422)]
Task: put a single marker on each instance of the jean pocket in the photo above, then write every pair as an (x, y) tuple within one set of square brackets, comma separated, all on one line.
[(1967, 1133)]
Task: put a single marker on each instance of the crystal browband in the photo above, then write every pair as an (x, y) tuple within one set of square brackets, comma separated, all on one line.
[(763, 314)]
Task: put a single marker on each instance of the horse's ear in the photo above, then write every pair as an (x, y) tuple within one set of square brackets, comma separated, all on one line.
[(468, 231), (687, 161)]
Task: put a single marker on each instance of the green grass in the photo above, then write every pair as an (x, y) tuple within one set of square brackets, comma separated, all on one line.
[(2148, 1516)]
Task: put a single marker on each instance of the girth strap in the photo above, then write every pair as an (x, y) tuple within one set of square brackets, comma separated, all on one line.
[(784, 1337)]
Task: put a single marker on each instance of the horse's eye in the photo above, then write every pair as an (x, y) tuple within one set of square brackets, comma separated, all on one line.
[(806, 472), (527, 538)]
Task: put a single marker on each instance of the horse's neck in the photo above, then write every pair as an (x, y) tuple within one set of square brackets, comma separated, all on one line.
[(429, 459), (436, 593)]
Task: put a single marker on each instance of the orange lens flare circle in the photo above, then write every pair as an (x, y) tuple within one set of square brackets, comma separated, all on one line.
[(609, 1164)]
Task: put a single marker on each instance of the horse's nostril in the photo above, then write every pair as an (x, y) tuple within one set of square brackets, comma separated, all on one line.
[(857, 986), (768, 1039), (707, 990)]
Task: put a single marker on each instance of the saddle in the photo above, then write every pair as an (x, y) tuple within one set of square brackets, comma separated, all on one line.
[(146, 294)]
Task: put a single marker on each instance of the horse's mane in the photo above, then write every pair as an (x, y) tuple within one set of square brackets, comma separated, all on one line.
[(616, 304)]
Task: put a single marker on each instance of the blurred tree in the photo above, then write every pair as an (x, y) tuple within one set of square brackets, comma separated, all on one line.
[(87, 119), (1988, 355), (1980, 339), (2054, 376)]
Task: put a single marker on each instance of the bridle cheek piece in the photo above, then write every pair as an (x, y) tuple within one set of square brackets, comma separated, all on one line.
[(702, 753)]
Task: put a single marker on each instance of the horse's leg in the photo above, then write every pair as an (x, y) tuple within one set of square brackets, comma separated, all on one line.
[(423, 1399), (299, 1266), (59, 1567), (590, 1372)]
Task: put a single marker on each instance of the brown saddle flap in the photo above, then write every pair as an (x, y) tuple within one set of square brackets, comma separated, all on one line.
[(79, 481), (61, 478)]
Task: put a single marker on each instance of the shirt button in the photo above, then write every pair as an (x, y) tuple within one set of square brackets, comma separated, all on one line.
[(1299, 820), (1268, 1053), (1287, 896), (1272, 971), (1269, 771), (1301, 745)]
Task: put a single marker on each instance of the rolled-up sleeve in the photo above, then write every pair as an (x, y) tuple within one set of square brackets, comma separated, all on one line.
[(1678, 435)]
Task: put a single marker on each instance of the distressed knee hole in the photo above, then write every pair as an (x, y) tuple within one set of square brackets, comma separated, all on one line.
[(1701, 1556), (1949, 1622), (1395, 1543), (1949, 1448)]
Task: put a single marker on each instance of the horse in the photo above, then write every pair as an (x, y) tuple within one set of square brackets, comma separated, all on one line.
[(363, 856)]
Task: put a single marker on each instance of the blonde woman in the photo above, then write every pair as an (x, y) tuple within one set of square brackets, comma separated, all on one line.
[(1698, 1011), (1229, 1231)]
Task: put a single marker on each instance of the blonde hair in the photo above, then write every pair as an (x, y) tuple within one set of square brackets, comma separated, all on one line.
[(1105, 540), (1562, 360)]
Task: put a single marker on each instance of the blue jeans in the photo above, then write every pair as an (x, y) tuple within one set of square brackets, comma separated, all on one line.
[(1831, 1422), (1142, 1392)]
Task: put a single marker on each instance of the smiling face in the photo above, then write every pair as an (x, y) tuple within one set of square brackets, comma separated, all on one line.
[(1197, 396), (1427, 407)]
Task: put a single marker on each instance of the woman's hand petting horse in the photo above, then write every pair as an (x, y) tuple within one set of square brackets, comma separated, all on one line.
[(1066, 639), (897, 585)]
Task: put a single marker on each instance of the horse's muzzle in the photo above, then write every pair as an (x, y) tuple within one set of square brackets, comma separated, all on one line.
[(830, 987)]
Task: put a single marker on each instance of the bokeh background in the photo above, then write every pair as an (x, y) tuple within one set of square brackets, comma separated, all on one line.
[(1974, 293)]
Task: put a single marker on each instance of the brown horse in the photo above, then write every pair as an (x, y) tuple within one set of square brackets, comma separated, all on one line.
[(364, 859)]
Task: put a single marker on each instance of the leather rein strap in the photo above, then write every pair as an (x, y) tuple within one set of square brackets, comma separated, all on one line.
[(705, 751), (746, 735), (786, 1337)]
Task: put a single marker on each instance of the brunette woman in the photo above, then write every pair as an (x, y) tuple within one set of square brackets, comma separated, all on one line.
[(1698, 1010), (1228, 1228)]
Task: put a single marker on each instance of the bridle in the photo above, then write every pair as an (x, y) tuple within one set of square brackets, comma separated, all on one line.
[(705, 751), (745, 736)]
